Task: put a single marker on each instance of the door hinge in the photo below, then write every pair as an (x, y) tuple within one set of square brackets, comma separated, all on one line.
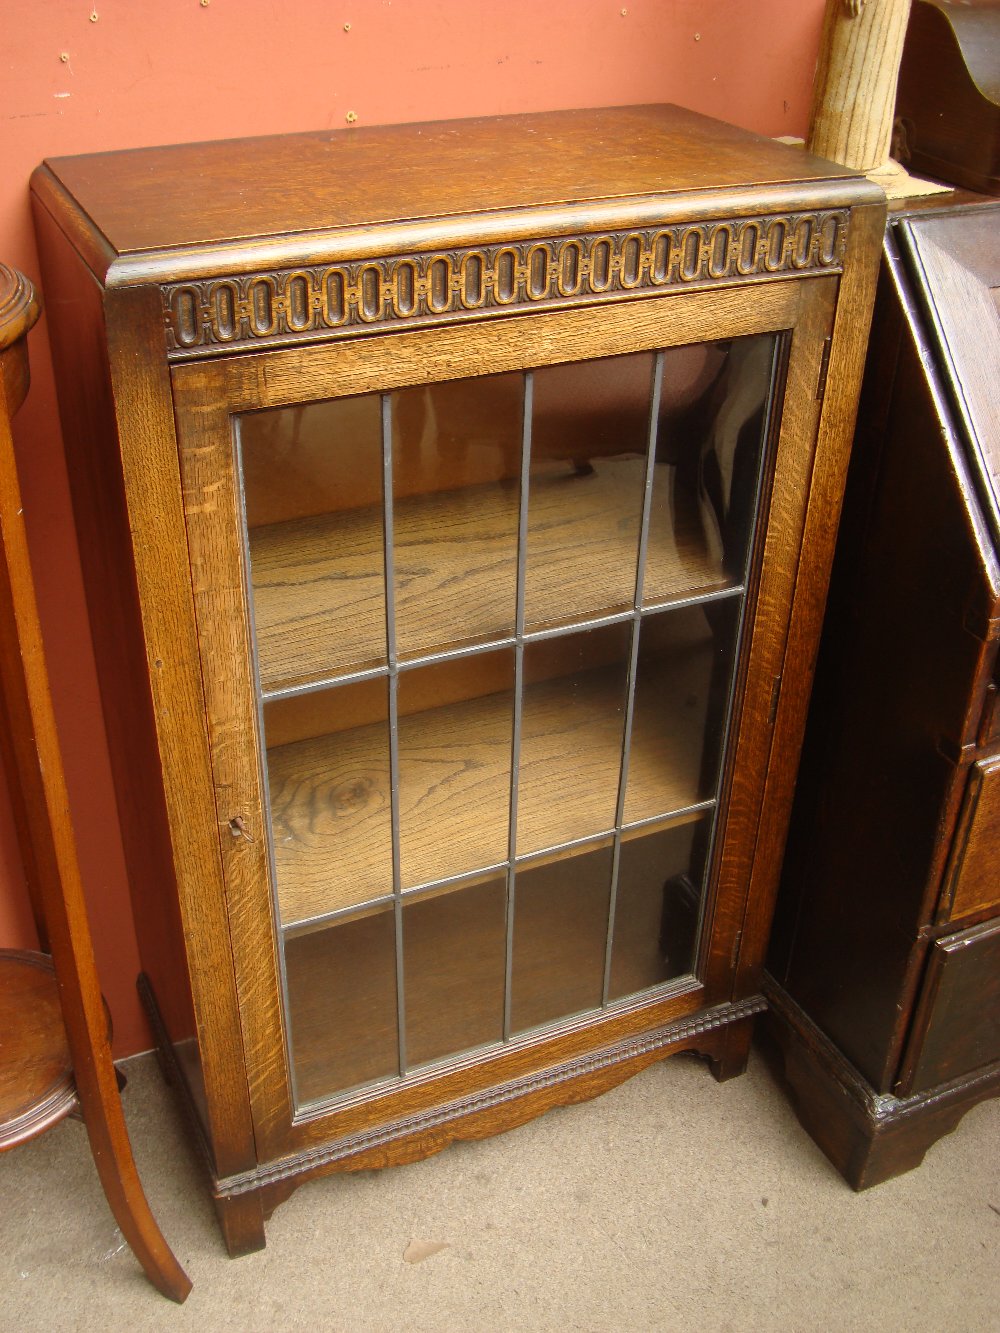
[(824, 369)]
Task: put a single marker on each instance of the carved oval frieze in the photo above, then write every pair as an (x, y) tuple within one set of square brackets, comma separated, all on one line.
[(748, 256), (439, 284), (601, 273), (334, 293), (263, 318), (298, 302), (538, 272), (830, 238), (691, 251), (369, 293), (661, 257), (802, 242), (184, 316), (777, 239), (569, 280), (403, 288), (720, 251), (630, 275), (505, 277), (473, 282), (548, 272)]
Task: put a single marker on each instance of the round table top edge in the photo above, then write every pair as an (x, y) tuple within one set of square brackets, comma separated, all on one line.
[(19, 306)]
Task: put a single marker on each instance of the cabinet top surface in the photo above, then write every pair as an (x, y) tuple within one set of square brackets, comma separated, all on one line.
[(144, 200)]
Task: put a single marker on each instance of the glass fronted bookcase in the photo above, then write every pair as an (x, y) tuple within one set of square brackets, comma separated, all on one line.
[(465, 530), (496, 622)]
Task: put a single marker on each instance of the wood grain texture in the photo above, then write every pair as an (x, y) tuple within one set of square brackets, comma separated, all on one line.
[(330, 795), (147, 199), (971, 883), (149, 463), (956, 1026), (957, 260), (33, 763), (869, 1137), (295, 375), (826, 487), (19, 309), (855, 88), (36, 1072), (776, 559), (948, 105), (318, 585)]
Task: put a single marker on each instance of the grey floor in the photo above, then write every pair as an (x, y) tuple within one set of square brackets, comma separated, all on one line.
[(669, 1203)]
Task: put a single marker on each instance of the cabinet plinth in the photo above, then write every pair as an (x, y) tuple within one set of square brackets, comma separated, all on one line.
[(467, 535)]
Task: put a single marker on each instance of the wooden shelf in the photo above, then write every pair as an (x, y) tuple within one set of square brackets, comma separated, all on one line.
[(341, 980), (319, 601), (330, 795), (36, 1073)]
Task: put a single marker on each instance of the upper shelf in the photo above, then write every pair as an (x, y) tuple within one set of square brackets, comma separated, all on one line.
[(318, 582)]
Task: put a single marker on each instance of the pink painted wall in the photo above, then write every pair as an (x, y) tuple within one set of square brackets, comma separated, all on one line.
[(78, 78)]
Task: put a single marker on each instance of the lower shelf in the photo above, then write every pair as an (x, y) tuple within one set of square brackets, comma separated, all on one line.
[(570, 952), (36, 1075)]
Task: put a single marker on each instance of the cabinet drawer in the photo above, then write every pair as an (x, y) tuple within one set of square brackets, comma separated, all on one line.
[(972, 883), (957, 1029)]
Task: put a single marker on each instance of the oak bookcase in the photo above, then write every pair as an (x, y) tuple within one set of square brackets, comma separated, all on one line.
[(456, 504)]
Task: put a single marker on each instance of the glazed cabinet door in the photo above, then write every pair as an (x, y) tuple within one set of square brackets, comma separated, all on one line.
[(490, 618)]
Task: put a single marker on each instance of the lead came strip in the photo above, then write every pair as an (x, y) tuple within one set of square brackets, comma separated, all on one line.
[(390, 642), (633, 661), (515, 749)]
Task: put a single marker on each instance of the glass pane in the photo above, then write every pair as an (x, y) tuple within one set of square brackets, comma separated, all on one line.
[(709, 441), (682, 688), (560, 936), (312, 478), (572, 725), (657, 906), (328, 773), (455, 731), (590, 425), (456, 452), (454, 963), (342, 1004)]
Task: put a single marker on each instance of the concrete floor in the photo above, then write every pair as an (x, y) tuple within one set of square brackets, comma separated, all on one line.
[(669, 1203)]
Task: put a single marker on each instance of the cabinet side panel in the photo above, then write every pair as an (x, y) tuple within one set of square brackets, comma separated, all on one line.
[(171, 848), (76, 331), (834, 434), (898, 670), (148, 448)]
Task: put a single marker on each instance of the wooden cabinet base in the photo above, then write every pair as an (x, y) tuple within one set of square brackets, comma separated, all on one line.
[(722, 1035), (869, 1137)]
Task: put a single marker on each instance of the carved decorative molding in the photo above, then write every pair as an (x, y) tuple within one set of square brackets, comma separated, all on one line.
[(673, 1036), (328, 301)]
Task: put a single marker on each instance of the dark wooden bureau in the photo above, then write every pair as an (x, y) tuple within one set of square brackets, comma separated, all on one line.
[(885, 961)]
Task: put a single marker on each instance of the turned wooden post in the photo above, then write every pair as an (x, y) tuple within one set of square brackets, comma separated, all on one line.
[(854, 96)]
